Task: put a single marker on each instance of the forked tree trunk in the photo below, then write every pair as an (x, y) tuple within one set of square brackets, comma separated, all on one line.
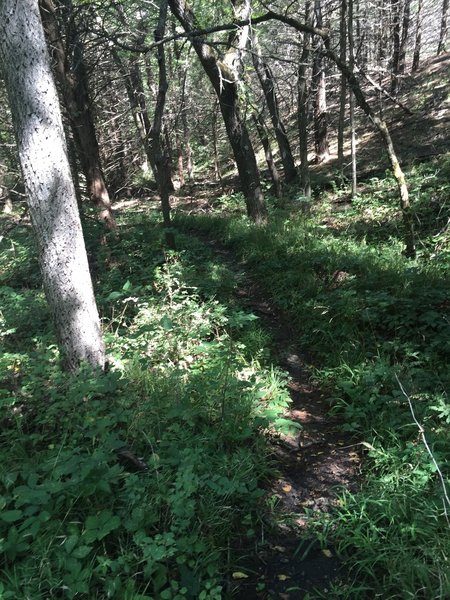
[(72, 79), (36, 116), (267, 82), (225, 75)]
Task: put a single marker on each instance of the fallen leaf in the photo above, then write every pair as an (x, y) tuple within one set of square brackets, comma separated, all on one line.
[(283, 577), (327, 552), (239, 575)]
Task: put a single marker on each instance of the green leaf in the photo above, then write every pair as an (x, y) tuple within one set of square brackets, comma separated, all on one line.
[(114, 296), (81, 551), (99, 526), (166, 323), (70, 543), (9, 516)]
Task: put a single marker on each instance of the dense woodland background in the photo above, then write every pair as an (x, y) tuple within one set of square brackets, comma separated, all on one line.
[(224, 317)]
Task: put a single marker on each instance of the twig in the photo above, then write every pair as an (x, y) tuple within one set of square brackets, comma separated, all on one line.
[(445, 499)]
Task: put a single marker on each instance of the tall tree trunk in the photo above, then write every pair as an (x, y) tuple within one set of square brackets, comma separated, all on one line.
[(225, 76), (404, 38), (36, 117), (183, 145), (395, 11), (217, 171), (267, 82), (443, 32), (180, 157), (262, 132), (72, 78), (343, 91), (186, 134), (320, 96), (418, 40), (159, 148), (305, 180), (351, 55)]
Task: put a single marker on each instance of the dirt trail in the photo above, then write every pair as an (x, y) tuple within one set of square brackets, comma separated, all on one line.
[(287, 562)]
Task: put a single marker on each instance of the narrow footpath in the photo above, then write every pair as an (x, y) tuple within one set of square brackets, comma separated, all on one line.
[(286, 561)]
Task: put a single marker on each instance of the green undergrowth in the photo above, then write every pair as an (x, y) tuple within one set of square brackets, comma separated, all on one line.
[(145, 482), (378, 327)]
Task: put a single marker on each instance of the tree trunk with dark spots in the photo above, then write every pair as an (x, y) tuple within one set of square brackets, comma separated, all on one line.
[(36, 116)]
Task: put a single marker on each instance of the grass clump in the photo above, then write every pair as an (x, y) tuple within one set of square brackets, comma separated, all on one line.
[(376, 323)]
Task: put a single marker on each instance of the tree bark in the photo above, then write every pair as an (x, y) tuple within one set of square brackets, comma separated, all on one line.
[(36, 117), (343, 90), (217, 171), (404, 38), (443, 32), (72, 78), (351, 56), (261, 129), (395, 10), (305, 179), (418, 40), (320, 96), (267, 82), (224, 75), (160, 153)]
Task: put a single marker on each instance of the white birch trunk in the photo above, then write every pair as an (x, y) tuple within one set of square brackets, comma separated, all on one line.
[(36, 116)]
